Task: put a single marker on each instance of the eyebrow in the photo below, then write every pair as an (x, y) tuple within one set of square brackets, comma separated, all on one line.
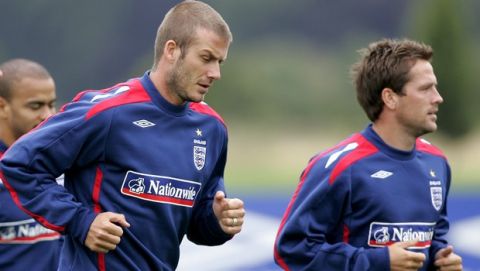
[(41, 101), (212, 54), (429, 85)]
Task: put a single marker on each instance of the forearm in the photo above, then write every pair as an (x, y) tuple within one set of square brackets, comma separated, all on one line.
[(325, 256), (204, 227)]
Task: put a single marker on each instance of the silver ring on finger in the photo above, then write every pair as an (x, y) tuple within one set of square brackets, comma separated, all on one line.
[(234, 221)]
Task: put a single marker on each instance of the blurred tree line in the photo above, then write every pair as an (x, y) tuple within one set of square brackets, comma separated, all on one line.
[(289, 62), (448, 28)]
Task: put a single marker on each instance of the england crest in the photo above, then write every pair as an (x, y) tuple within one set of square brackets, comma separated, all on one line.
[(199, 155), (437, 198)]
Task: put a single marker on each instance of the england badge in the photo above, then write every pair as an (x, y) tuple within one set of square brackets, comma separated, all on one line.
[(437, 198), (199, 156)]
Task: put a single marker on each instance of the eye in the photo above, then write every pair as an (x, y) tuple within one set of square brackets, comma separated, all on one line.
[(206, 58), (427, 87), (35, 106)]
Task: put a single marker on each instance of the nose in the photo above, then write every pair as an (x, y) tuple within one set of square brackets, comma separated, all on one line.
[(437, 97), (47, 111), (214, 71)]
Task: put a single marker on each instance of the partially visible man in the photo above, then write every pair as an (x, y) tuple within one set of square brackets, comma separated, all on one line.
[(377, 200), (27, 97), (143, 160)]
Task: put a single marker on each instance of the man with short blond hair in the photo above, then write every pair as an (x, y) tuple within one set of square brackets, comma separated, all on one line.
[(143, 159)]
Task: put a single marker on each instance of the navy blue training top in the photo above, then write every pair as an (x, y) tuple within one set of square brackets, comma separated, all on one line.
[(127, 150)]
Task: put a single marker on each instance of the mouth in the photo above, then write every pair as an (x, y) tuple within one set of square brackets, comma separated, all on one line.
[(204, 87), (433, 113)]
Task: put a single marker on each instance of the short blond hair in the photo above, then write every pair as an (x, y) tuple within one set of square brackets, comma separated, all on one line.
[(181, 23)]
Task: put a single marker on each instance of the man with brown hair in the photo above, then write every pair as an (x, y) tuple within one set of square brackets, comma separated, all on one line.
[(143, 160), (377, 200), (27, 97)]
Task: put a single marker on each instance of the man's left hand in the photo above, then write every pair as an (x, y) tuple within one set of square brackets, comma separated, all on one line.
[(446, 259), (229, 212)]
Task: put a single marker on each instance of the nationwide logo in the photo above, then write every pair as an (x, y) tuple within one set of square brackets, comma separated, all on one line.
[(384, 234), (160, 189), (381, 174), (25, 232)]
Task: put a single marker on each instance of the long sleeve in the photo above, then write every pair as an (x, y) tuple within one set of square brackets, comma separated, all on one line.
[(204, 228), (124, 149), (442, 226), (30, 166), (312, 231), (360, 197)]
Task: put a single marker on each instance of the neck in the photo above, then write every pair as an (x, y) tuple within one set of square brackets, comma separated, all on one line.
[(394, 136), (6, 134), (160, 82)]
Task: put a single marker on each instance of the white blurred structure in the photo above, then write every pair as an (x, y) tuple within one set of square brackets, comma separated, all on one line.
[(252, 247)]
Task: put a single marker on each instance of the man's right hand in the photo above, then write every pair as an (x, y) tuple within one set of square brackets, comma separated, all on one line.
[(403, 260), (105, 232)]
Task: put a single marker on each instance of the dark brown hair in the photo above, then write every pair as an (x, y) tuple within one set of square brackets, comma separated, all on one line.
[(385, 64), (14, 70)]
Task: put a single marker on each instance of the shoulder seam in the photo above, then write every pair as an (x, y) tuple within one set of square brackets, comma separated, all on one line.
[(205, 109), (134, 95), (364, 149)]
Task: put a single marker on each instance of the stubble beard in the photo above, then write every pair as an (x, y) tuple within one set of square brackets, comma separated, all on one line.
[(417, 128), (176, 81), (425, 129)]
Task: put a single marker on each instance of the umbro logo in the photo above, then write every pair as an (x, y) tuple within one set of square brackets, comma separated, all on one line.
[(143, 123), (381, 174)]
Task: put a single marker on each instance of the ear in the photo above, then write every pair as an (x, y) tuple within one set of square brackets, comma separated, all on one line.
[(4, 108), (171, 51), (389, 98)]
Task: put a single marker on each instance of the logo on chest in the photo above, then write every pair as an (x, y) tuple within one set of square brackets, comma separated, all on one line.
[(199, 150), (160, 189), (436, 192), (25, 232), (199, 156), (384, 234)]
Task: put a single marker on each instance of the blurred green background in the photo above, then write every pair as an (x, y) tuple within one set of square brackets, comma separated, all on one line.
[(285, 91)]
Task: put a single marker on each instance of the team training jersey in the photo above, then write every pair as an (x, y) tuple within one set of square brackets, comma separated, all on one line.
[(127, 150), (23, 240), (361, 196)]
